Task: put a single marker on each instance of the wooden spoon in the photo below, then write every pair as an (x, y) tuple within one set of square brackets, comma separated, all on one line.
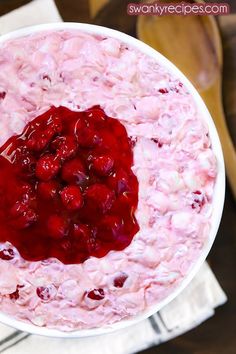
[(114, 15), (95, 6), (193, 43)]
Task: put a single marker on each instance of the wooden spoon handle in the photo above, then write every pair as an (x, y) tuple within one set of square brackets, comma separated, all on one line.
[(229, 154), (230, 158), (213, 100), (95, 6)]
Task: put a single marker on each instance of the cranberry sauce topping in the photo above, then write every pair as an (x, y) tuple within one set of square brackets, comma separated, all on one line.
[(66, 187), (96, 294)]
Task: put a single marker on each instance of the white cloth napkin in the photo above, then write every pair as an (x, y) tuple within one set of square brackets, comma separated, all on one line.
[(193, 306), (34, 13)]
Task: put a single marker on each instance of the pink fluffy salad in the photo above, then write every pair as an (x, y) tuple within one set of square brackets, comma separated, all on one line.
[(172, 160)]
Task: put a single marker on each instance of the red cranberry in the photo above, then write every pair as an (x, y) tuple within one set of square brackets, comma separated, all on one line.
[(156, 141), (103, 165), (86, 136), (37, 143), (7, 254), (197, 192), (110, 227), (109, 140), (2, 95), (72, 197), (54, 125), (96, 114), (120, 280), (81, 232), (41, 135), (46, 77), (119, 181), (22, 214), (66, 146), (27, 165), (198, 200), (73, 171), (47, 167), (18, 209), (95, 245), (175, 89), (96, 294), (120, 133), (101, 196), (28, 218), (48, 190), (81, 238), (46, 293), (133, 141), (66, 244), (57, 143), (43, 293), (25, 188), (16, 294), (57, 227), (163, 90)]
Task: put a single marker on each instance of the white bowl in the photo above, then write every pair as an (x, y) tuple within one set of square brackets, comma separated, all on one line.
[(219, 191)]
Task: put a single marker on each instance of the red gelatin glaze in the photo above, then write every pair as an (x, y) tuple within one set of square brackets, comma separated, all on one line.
[(66, 187)]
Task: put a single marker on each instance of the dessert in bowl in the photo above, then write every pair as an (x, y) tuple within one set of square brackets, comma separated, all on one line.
[(111, 180)]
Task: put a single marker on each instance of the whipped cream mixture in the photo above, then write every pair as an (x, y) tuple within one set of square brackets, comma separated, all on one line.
[(173, 162)]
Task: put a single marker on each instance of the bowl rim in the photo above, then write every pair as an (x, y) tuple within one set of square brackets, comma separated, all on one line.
[(219, 189)]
